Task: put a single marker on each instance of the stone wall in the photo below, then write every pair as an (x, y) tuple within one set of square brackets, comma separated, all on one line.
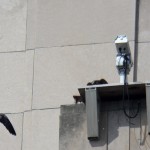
[(116, 130), (49, 48)]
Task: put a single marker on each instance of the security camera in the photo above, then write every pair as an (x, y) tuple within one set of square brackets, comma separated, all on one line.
[(122, 44), (123, 58)]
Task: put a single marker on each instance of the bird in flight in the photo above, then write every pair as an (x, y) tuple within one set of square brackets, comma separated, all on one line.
[(5, 121)]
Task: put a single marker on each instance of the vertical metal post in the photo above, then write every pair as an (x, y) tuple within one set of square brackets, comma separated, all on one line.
[(148, 105), (122, 77), (92, 111)]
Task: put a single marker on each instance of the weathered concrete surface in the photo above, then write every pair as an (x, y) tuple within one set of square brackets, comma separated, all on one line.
[(135, 132), (59, 72), (16, 70), (118, 131), (7, 140), (144, 137), (56, 23), (73, 130), (31, 24), (143, 73), (144, 21), (139, 138), (72, 109), (13, 25), (41, 130)]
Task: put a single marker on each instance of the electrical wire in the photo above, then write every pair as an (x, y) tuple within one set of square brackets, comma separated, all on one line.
[(125, 89)]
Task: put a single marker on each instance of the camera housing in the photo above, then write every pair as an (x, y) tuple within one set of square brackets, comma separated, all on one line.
[(122, 44), (123, 57)]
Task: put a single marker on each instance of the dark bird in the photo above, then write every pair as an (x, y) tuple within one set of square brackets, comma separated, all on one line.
[(5, 121), (97, 82), (78, 99)]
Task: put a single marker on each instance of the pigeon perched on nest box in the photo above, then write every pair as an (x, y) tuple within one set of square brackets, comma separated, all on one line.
[(5, 121)]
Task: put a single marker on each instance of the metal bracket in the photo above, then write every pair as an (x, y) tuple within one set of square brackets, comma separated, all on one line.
[(92, 112), (148, 105)]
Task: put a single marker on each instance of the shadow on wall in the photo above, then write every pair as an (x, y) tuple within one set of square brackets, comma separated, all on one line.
[(114, 127)]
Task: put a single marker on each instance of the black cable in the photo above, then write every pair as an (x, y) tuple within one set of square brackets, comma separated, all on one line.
[(125, 89)]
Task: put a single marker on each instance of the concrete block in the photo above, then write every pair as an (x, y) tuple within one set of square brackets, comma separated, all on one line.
[(139, 138), (144, 137), (7, 140), (144, 21), (41, 130), (118, 131), (143, 71), (73, 130), (31, 24), (29, 79), (13, 25), (72, 109), (59, 72), (16, 81), (56, 23), (135, 131)]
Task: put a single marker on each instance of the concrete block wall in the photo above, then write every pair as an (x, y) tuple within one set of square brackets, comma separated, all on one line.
[(50, 48), (116, 131), (143, 73)]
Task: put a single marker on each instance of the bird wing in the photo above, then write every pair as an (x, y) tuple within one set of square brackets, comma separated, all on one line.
[(5, 121)]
